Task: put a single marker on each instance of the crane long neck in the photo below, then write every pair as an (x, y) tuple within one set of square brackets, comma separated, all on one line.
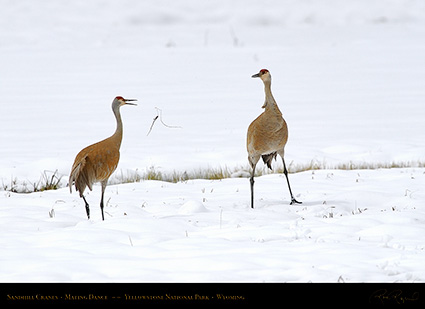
[(117, 137), (270, 102)]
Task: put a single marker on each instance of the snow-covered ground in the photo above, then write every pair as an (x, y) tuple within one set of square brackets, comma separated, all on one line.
[(350, 81), (353, 226)]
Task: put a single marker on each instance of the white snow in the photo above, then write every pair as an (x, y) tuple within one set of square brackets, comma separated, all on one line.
[(347, 75), (356, 225)]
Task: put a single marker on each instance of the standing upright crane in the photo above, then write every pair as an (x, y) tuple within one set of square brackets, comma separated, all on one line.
[(97, 162), (267, 135)]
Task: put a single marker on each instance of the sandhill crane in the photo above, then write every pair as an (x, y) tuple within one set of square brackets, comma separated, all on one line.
[(267, 135), (97, 162)]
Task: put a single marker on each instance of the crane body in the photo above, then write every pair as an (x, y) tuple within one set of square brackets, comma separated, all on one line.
[(267, 135), (97, 162)]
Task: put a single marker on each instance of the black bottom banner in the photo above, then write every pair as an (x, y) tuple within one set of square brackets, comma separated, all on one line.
[(275, 294)]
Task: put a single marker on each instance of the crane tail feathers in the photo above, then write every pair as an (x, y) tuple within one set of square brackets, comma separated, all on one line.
[(81, 176), (268, 158)]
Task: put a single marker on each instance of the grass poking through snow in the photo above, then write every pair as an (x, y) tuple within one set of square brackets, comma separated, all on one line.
[(53, 180)]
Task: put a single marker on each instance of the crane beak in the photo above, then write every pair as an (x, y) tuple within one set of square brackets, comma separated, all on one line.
[(256, 75), (130, 100)]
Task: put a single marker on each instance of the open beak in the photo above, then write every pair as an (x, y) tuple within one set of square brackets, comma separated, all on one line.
[(256, 75), (130, 100)]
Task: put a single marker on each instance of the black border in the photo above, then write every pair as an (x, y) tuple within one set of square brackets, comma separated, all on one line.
[(152, 294)]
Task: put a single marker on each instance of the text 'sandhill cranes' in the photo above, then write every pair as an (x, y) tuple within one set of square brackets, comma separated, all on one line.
[(267, 135), (97, 162)]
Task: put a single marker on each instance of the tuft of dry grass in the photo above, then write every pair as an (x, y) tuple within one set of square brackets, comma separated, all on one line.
[(49, 180)]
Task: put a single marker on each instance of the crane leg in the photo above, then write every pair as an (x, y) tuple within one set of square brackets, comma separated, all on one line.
[(87, 207), (251, 180), (285, 171), (104, 183)]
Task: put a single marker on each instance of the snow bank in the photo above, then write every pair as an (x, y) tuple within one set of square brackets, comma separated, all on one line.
[(191, 207), (353, 226)]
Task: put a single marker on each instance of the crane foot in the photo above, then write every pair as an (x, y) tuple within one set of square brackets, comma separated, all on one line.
[(294, 201)]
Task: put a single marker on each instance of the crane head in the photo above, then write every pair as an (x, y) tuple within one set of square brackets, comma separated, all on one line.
[(121, 101), (263, 74)]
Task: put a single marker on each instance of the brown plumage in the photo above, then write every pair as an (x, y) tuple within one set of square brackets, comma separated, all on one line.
[(267, 135), (97, 162)]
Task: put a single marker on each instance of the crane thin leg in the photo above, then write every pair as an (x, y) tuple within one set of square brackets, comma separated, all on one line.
[(251, 180), (285, 171), (87, 207), (104, 183), (101, 208)]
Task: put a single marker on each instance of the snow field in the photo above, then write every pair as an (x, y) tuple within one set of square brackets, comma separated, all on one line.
[(354, 226), (347, 75), (350, 91)]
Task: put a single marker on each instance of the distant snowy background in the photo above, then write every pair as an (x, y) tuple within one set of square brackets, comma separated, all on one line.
[(349, 77)]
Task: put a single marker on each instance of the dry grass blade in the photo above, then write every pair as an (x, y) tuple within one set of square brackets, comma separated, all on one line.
[(159, 115)]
